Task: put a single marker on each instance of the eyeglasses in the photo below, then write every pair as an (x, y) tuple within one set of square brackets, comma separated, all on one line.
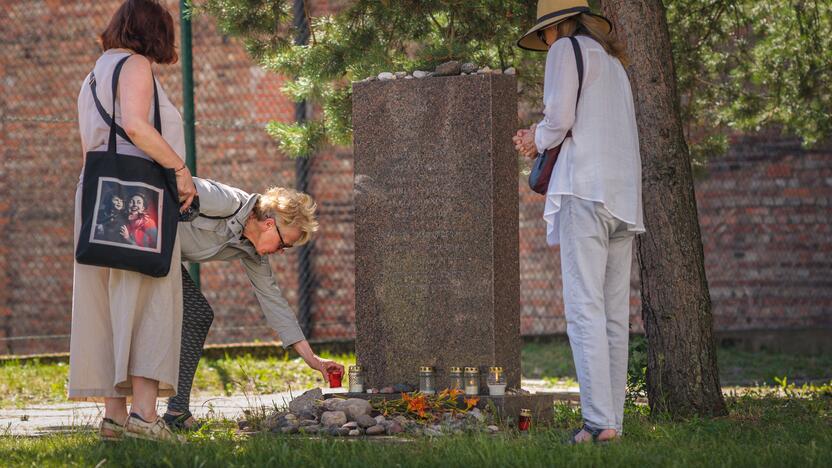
[(283, 245)]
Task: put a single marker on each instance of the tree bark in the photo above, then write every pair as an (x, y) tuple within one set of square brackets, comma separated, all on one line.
[(682, 373)]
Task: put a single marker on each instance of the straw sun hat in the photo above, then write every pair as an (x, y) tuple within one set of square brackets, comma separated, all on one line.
[(550, 12)]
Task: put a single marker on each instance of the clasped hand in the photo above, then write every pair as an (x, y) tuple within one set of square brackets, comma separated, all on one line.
[(524, 141)]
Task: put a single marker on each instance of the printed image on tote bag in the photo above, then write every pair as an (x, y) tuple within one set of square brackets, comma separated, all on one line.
[(127, 215)]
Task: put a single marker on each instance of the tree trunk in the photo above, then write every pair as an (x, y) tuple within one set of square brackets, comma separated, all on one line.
[(682, 373)]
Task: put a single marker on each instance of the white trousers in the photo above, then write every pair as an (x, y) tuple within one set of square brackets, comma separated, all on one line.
[(596, 256)]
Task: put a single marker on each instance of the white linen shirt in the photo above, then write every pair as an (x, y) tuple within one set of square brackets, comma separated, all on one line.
[(601, 161)]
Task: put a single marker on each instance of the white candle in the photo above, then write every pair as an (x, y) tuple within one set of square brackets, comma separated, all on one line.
[(472, 390), (356, 388), (496, 390)]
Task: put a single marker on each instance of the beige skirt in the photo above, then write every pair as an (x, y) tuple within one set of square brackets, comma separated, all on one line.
[(124, 324)]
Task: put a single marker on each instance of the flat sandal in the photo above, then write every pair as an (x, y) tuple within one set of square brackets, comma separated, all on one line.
[(114, 428), (157, 431)]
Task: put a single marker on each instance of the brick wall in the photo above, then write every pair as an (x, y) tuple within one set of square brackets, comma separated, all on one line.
[(764, 207), (765, 211)]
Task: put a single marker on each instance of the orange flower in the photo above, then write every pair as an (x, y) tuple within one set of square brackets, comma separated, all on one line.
[(456, 392), (471, 402), (416, 404)]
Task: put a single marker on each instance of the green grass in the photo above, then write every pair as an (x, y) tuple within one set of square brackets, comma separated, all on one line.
[(553, 361), (24, 383), (746, 368), (761, 431)]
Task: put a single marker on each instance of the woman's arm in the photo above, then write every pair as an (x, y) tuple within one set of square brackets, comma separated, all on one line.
[(280, 317), (324, 366), (135, 89), (559, 111)]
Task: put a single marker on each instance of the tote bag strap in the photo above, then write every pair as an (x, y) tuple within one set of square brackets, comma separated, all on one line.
[(579, 61), (110, 120)]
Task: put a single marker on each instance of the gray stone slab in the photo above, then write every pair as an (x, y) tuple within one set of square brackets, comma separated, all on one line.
[(436, 227)]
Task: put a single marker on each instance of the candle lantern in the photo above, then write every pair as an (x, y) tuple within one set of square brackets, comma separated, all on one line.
[(335, 378), (356, 379), (472, 381), (427, 380), (525, 420), (496, 381), (455, 379)]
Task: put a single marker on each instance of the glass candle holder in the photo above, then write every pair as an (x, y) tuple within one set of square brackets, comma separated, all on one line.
[(455, 379), (524, 422), (472, 381), (496, 381), (427, 380), (335, 378), (356, 379)]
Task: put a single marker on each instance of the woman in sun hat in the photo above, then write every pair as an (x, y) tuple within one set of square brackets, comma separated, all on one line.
[(593, 204)]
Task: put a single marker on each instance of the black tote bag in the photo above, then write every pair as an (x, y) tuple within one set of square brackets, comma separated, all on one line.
[(129, 205)]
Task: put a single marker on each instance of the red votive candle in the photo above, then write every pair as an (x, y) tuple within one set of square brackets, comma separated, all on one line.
[(335, 379), (525, 420)]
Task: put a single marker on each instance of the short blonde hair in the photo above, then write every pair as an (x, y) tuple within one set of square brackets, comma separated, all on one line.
[(292, 207)]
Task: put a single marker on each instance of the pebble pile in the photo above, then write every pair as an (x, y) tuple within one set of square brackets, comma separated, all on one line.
[(451, 68), (353, 417)]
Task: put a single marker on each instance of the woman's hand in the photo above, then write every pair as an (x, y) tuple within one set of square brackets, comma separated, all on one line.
[(125, 233), (186, 187), (524, 141), (327, 367), (324, 366)]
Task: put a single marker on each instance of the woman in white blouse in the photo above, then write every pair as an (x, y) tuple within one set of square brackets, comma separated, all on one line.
[(593, 203)]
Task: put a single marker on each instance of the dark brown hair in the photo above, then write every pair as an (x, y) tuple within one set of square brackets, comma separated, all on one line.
[(144, 26)]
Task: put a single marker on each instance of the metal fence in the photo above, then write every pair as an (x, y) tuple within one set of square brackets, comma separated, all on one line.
[(49, 46), (47, 49)]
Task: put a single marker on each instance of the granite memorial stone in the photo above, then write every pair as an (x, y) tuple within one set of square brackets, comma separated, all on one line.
[(436, 227)]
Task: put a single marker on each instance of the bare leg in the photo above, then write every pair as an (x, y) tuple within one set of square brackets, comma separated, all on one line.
[(145, 392), (116, 410)]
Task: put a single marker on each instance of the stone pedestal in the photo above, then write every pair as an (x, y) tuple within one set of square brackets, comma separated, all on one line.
[(436, 227), (507, 407)]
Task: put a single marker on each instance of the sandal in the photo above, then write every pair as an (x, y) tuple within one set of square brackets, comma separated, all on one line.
[(110, 431), (157, 431), (593, 432), (176, 422)]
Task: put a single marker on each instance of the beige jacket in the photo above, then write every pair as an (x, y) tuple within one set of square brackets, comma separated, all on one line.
[(216, 235)]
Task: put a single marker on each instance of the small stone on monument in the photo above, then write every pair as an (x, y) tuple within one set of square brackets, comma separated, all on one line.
[(468, 67), (448, 69)]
